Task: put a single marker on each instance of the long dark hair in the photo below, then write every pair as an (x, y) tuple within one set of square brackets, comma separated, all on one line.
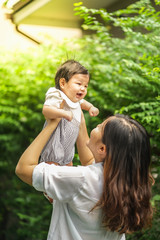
[(125, 201), (68, 69)]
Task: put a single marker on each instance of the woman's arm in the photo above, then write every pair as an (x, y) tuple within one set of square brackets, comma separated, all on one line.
[(30, 157), (85, 155)]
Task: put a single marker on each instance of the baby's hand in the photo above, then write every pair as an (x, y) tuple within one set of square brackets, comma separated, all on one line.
[(93, 111), (68, 115)]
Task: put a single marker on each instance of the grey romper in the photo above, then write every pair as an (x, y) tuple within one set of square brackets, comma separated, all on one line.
[(60, 148)]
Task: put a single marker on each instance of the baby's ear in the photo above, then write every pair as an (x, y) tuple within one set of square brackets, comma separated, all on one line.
[(62, 82)]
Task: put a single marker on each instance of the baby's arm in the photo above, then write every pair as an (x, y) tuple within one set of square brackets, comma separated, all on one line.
[(93, 111), (51, 112)]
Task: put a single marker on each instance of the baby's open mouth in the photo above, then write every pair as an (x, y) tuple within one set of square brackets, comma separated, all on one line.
[(79, 94)]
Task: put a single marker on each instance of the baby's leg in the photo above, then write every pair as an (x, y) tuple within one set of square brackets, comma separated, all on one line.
[(55, 163), (49, 199), (69, 164)]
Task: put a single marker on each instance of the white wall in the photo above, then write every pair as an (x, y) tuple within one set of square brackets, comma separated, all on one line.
[(10, 39)]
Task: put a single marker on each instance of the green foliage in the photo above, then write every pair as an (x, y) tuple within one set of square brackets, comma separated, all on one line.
[(125, 70), (124, 79), (24, 79)]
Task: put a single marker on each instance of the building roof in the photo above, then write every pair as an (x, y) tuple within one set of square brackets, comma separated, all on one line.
[(54, 13), (40, 20)]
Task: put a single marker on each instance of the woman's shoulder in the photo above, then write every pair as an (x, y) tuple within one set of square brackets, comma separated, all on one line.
[(93, 180), (93, 171)]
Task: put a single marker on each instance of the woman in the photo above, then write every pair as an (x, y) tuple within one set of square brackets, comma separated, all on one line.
[(105, 199)]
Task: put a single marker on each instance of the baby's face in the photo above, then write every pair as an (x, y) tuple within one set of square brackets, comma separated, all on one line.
[(76, 88)]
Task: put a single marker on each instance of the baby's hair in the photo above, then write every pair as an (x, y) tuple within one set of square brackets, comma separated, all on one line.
[(68, 69)]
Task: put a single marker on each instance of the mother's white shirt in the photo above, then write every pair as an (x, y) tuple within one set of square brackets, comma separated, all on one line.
[(75, 191)]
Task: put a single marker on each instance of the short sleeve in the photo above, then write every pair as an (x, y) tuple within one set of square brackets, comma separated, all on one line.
[(59, 182), (53, 97)]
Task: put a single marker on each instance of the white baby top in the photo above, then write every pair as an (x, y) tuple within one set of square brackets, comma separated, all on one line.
[(61, 146), (75, 191), (54, 97)]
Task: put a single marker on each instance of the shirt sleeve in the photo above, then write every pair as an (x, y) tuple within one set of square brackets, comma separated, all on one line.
[(53, 97), (59, 182)]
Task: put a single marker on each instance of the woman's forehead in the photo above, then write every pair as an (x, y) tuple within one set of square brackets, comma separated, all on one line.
[(107, 120), (104, 123)]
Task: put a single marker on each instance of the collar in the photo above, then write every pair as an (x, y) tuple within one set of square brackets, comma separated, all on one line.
[(68, 101)]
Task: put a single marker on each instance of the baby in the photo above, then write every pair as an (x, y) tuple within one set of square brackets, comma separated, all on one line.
[(71, 82)]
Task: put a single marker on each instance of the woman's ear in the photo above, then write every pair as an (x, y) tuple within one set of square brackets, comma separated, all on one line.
[(62, 82), (102, 150)]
